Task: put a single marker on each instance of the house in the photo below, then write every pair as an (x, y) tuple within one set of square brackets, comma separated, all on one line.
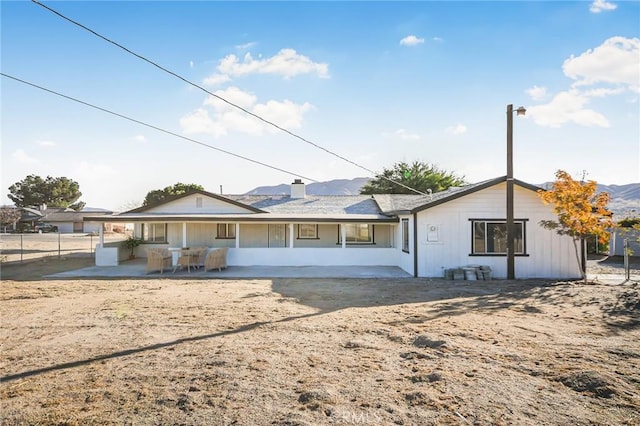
[(422, 234), (65, 219)]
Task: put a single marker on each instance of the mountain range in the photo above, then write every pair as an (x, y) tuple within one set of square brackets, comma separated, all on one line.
[(625, 199)]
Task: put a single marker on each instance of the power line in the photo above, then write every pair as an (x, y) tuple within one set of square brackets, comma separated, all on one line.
[(270, 123), (154, 127)]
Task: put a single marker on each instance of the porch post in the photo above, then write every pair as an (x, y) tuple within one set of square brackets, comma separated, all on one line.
[(101, 233), (291, 235), (343, 231), (237, 235), (184, 234)]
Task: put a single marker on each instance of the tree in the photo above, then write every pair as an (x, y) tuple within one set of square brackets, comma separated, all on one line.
[(581, 212), (34, 191), (158, 195), (418, 175), (9, 216)]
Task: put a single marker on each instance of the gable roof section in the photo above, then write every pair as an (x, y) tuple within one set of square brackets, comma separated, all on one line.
[(455, 193), (187, 194)]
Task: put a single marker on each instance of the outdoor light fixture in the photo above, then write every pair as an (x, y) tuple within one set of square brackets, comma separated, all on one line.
[(511, 267)]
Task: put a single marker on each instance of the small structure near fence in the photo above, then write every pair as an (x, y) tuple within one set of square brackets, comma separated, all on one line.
[(470, 273)]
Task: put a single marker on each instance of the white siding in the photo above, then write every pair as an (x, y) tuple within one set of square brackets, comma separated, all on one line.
[(189, 204), (549, 255)]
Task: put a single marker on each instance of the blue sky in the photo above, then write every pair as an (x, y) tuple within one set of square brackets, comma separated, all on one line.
[(375, 82)]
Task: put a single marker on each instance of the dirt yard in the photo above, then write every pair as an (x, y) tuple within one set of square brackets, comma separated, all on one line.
[(315, 352)]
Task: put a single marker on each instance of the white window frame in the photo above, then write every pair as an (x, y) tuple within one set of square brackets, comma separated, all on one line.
[(352, 236), (228, 231), (150, 232), (405, 235), (481, 228), (307, 231)]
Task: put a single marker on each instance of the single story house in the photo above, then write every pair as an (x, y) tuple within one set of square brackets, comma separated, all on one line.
[(67, 220), (422, 234)]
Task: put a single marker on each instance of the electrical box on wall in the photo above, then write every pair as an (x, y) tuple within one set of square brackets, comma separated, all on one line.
[(433, 233)]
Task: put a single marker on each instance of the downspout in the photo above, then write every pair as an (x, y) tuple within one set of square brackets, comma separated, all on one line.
[(415, 245)]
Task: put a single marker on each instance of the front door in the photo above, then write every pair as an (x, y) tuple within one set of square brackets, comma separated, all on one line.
[(277, 235)]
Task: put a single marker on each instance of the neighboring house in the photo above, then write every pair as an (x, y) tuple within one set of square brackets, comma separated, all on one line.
[(422, 234), (67, 220), (624, 236)]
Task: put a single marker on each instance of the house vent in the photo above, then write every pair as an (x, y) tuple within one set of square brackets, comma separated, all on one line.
[(199, 202)]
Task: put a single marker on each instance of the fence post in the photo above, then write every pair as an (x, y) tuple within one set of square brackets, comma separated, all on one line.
[(91, 242), (627, 272), (58, 244), (21, 249)]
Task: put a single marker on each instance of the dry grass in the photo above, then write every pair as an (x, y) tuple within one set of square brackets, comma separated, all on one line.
[(308, 352)]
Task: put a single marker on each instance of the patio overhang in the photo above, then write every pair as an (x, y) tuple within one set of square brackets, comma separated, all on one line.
[(244, 218)]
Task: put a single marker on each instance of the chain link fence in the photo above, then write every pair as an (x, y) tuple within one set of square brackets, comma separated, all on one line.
[(30, 246)]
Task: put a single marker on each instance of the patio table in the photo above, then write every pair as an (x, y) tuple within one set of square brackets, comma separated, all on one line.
[(185, 254)]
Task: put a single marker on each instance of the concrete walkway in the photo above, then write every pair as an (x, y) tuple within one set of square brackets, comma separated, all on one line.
[(136, 269)]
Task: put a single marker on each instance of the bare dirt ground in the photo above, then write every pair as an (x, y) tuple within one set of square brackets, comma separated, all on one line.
[(314, 352)]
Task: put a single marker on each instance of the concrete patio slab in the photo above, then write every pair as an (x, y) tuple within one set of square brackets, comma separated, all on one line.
[(136, 269)]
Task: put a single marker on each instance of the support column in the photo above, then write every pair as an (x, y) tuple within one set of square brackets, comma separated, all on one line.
[(101, 233), (237, 235), (291, 235), (343, 231), (184, 234)]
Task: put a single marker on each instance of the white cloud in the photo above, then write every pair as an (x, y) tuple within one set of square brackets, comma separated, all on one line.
[(537, 93), (223, 118), (22, 157), (216, 79), (599, 5), (616, 61), (246, 45), (46, 144), (438, 39), (404, 135), (139, 138), (458, 129), (234, 95), (199, 121), (287, 63), (567, 107), (411, 40), (613, 68), (190, 64)]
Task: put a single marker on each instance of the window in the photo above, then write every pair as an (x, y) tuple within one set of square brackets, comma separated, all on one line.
[(490, 237), (405, 235), (154, 232), (227, 230), (358, 233), (307, 231)]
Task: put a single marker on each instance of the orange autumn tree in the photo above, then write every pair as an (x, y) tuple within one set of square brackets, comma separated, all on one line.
[(581, 211)]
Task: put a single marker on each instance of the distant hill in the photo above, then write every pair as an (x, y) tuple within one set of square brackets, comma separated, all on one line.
[(332, 187), (625, 199)]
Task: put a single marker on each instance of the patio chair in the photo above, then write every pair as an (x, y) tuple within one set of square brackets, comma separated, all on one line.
[(216, 259), (184, 259), (197, 259), (158, 259)]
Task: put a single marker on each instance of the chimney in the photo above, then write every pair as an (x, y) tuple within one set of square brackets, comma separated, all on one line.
[(297, 189)]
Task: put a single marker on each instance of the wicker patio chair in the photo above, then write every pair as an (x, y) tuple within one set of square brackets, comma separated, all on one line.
[(197, 259), (158, 259), (216, 259)]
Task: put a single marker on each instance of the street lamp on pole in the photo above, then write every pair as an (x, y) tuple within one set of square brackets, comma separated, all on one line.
[(511, 267)]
